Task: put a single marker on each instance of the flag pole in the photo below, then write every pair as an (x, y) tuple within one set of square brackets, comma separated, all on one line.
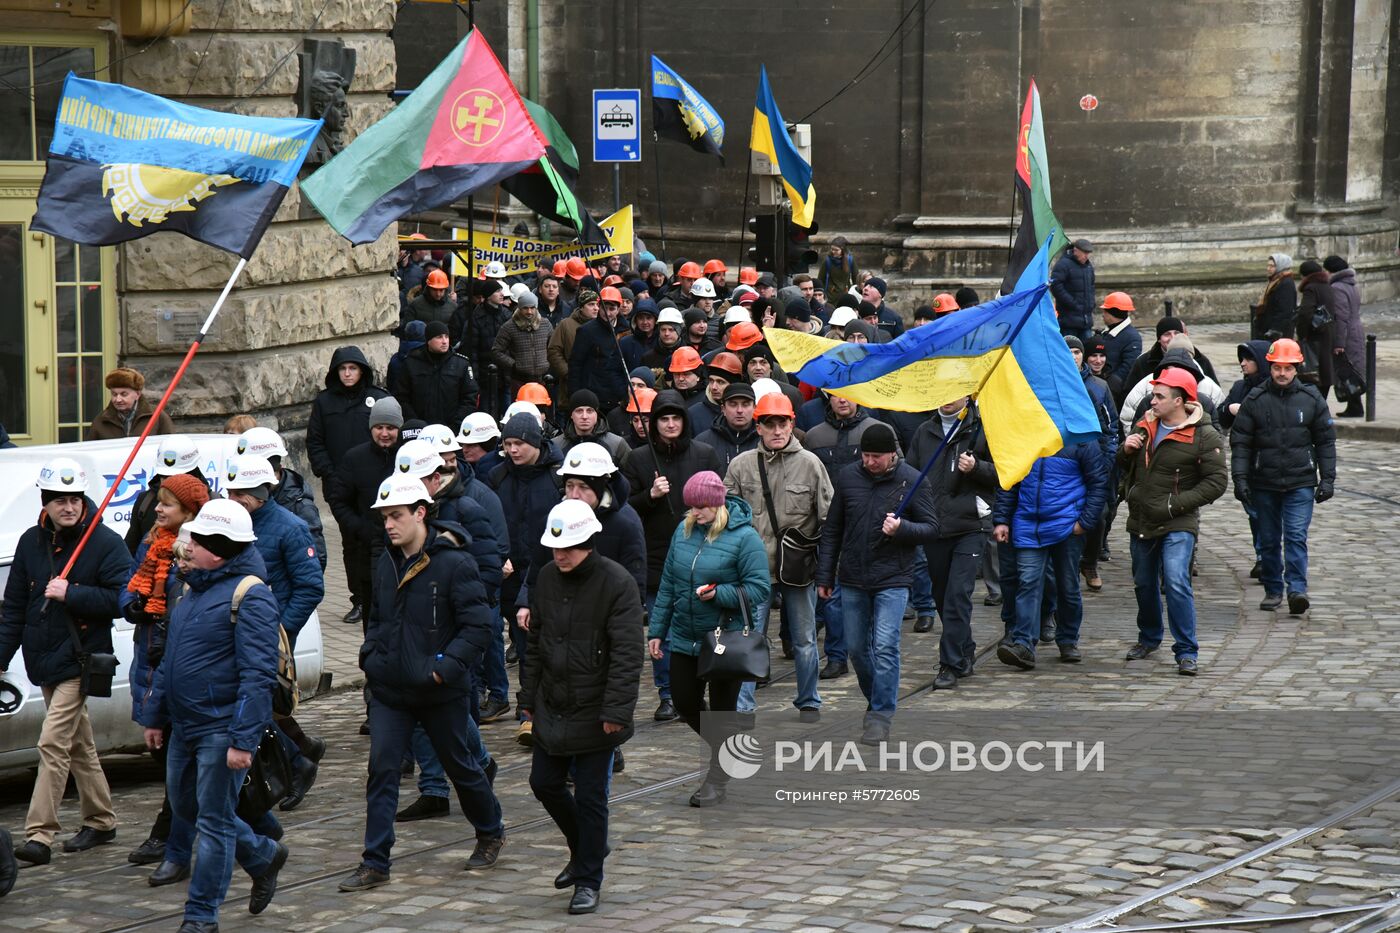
[(744, 212), (155, 415), (660, 217)]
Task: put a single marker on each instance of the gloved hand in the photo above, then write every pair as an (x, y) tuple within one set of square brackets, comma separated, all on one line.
[(1242, 491), (1324, 492)]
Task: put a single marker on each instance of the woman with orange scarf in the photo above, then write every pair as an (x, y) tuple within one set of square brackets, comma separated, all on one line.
[(148, 600)]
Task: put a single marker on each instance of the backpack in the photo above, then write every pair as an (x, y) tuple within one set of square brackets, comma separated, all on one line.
[(285, 693)]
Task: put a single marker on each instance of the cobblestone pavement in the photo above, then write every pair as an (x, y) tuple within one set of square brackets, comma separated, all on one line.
[(671, 870)]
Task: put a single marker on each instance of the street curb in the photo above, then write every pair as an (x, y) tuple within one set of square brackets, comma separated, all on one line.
[(1367, 431)]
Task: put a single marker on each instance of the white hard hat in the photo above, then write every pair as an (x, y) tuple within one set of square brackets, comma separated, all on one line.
[(225, 518), (570, 523), (588, 459), (250, 471), (842, 316), (702, 288), (63, 474), (478, 428), (494, 270), (762, 387), (264, 442), (401, 490), (737, 315), (443, 439), (177, 454), (671, 316), (518, 289), (417, 459), (515, 408)]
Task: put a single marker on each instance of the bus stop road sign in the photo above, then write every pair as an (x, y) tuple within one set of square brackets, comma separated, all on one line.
[(617, 125)]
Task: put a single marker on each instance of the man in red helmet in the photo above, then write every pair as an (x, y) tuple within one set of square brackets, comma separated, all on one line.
[(1173, 463)]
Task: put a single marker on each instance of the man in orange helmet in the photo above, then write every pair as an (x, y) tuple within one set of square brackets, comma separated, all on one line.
[(1121, 341), (436, 303), (574, 271), (1283, 455), (685, 368), (717, 273), (685, 277)]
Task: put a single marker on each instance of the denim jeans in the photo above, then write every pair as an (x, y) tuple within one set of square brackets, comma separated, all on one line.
[(801, 604), (660, 667), (204, 793), (872, 620), (1168, 556), (581, 815), (492, 669), (1283, 526), (921, 591), (1032, 564), (432, 776), (834, 642)]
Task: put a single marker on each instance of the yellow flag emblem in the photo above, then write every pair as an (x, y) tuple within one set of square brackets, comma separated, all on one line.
[(152, 193)]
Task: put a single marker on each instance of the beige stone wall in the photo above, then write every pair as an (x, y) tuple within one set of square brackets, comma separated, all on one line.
[(306, 290)]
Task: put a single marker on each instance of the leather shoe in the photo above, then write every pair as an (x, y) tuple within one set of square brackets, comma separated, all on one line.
[(947, 679), (354, 616), (833, 670), (874, 733), (708, 795), (1093, 581), (1186, 666), (1016, 655), (1256, 570), (363, 878), (150, 852), (198, 926), (315, 750), (88, 838), (665, 711), (494, 710), (1298, 603), (619, 763), (167, 873), (1271, 602), (9, 868), (484, 856), (584, 901), (364, 727), (1139, 652), (303, 776), (991, 599), (565, 879), (923, 624), (424, 808), (1047, 631), (1069, 654), (265, 886), (35, 853)]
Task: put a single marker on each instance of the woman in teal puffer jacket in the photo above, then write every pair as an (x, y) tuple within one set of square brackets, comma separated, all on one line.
[(713, 552)]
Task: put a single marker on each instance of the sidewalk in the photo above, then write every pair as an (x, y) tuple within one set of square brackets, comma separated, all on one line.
[(341, 642)]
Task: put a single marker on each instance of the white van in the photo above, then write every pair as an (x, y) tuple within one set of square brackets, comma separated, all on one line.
[(19, 510)]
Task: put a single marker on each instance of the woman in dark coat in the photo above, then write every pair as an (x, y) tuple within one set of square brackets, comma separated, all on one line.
[(1317, 303), (1349, 333), (1273, 315)]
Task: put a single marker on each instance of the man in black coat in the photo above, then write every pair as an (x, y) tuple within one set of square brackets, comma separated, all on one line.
[(55, 619), (340, 415), (579, 682), (427, 629), (351, 498), (596, 361), (734, 431), (1072, 285), (1122, 343), (435, 384)]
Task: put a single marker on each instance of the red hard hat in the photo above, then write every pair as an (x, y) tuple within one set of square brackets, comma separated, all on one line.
[(611, 294), (684, 360), (1177, 378), (560, 267), (774, 403), (690, 270), (748, 275), (438, 279), (576, 268), (743, 335), (534, 393), (943, 303), (1284, 350), (642, 397), (727, 362), (713, 266), (614, 280), (1118, 301)]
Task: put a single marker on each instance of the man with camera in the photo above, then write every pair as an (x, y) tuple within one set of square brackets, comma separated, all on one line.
[(65, 626)]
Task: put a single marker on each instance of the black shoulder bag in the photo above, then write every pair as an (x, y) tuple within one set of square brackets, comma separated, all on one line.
[(797, 550), (735, 655), (96, 668)]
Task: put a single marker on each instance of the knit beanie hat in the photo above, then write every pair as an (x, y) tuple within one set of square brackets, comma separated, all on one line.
[(878, 439), (1074, 343), (1334, 264), (1169, 323), (583, 398), (123, 378), (1309, 267), (525, 427), (878, 284), (190, 491), (645, 374), (386, 411), (435, 329), (693, 316), (585, 296), (704, 490)]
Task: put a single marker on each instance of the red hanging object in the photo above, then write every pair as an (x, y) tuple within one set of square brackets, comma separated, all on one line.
[(1088, 102)]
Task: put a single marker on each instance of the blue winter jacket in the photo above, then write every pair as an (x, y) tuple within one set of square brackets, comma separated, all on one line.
[(217, 677), (289, 555), (294, 494), (1060, 490)]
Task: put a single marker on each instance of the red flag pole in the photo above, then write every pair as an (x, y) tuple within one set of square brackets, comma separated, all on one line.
[(160, 407)]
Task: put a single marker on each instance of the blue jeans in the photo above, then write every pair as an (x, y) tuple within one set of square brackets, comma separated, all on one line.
[(835, 639), (432, 776), (921, 592), (801, 604), (1032, 564), (204, 793), (1170, 556), (493, 665), (660, 667), (872, 620), (1283, 519)]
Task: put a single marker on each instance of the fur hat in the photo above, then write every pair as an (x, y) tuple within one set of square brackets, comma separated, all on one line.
[(123, 378)]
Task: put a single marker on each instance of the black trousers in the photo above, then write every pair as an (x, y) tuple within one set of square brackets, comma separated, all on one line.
[(582, 816), (952, 568), (688, 694), (161, 828)]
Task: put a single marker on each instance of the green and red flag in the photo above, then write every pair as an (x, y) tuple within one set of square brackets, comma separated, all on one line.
[(463, 129), (547, 187), (1038, 219)]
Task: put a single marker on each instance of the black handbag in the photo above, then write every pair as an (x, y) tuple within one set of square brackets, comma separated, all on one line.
[(95, 668), (741, 654), (1347, 382), (267, 780), (797, 550)]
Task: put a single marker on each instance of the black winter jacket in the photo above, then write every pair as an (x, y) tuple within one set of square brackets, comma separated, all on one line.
[(678, 463), (454, 505), (614, 444), (854, 549), (1149, 362), (1242, 387), (1273, 317), (583, 663), (428, 615), (340, 416), (621, 540), (1072, 286), (1283, 439), (436, 387), (527, 494), (357, 479), (727, 442), (836, 442), (596, 363), (1121, 351), (955, 493), (93, 587), (483, 323)]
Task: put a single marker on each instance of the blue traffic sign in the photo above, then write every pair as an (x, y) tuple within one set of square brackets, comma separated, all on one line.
[(617, 125)]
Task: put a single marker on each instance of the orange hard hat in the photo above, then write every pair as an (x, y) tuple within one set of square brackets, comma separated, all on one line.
[(417, 236), (1284, 350), (715, 265), (727, 362), (1177, 378), (774, 403), (748, 275), (561, 266), (640, 397), (1118, 301), (690, 270), (684, 360), (614, 280), (576, 268), (943, 303), (534, 393), (611, 294), (743, 335), (438, 279)]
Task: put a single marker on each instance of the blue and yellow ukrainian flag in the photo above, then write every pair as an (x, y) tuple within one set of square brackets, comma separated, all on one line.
[(770, 138), (1007, 352)]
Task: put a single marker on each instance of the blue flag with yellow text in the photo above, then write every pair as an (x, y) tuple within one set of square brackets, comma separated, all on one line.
[(1008, 352), (679, 112), (125, 164), (770, 138)]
